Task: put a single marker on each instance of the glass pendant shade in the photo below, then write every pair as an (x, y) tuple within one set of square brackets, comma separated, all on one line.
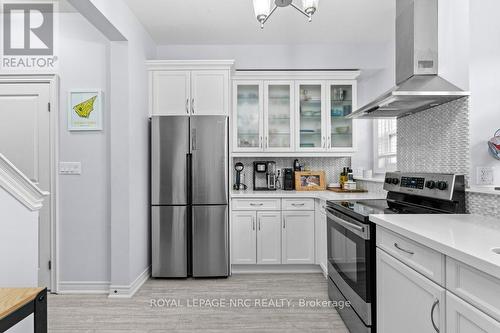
[(309, 4), (261, 8)]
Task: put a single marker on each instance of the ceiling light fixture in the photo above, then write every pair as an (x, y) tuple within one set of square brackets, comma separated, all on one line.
[(263, 10)]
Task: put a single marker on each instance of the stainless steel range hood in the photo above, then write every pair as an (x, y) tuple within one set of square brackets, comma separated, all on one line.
[(418, 86)]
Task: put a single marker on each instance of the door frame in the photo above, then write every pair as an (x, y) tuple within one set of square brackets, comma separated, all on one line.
[(53, 81)]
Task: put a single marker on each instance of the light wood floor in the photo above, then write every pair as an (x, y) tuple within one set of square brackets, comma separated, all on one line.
[(85, 313)]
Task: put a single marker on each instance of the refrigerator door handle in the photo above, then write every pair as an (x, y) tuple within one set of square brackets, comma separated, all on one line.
[(193, 139)]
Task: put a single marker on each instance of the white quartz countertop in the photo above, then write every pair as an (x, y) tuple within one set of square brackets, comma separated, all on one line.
[(324, 195), (466, 238)]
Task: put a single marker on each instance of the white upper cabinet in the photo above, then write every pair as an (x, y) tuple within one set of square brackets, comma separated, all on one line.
[(278, 116), (210, 91), (171, 93), (341, 102), (294, 112), (248, 105), (187, 88), (310, 130)]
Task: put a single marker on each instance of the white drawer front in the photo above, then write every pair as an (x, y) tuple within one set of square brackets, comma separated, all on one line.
[(298, 204), (421, 258), (256, 204), (475, 287)]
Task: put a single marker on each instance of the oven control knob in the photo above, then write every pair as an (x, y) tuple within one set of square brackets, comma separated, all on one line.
[(430, 184), (442, 185), (388, 180), (395, 181)]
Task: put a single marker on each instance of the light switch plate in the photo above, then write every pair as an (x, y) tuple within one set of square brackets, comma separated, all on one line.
[(70, 168), (485, 176)]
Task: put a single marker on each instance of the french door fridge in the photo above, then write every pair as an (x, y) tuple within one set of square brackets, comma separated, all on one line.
[(189, 183)]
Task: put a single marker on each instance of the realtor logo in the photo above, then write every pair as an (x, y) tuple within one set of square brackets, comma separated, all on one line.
[(28, 29), (28, 36)]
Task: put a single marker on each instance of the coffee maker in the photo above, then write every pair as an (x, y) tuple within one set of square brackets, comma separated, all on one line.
[(264, 176)]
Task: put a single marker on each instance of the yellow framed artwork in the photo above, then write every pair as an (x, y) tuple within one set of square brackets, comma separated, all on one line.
[(85, 110), (310, 181)]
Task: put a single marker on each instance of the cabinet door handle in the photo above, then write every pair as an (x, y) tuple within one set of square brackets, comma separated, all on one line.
[(297, 204), (261, 142), (256, 204), (187, 105), (284, 223), (436, 303), (329, 142), (324, 142), (192, 105), (401, 249), (259, 224), (253, 223)]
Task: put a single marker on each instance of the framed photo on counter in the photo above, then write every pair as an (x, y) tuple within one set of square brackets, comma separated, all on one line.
[(310, 181)]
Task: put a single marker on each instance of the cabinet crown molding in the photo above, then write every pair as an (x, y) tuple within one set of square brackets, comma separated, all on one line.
[(158, 65), (296, 74), (14, 182)]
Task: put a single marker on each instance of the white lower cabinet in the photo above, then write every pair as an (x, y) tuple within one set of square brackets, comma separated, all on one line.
[(461, 317), (320, 234), (273, 237), (244, 233), (298, 237), (269, 238), (407, 301)]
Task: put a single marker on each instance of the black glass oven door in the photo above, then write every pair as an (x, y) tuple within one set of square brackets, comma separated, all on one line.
[(349, 252)]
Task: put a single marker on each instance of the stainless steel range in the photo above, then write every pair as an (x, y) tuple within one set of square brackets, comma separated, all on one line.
[(351, 237)]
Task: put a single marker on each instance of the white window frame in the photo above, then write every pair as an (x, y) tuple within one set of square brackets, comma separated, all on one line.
[(377, 156)]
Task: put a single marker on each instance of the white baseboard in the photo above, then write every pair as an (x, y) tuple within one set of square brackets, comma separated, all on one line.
[(275, 269), (324, 270), (83, 287), (117, 291)]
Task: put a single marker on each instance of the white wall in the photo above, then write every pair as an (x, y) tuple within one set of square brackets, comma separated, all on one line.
[(84, 199), (129, 141), (484, 86), (18, 264), (376, 62)]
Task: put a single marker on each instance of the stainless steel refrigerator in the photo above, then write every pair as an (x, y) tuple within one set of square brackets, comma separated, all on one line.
[(189, 183)]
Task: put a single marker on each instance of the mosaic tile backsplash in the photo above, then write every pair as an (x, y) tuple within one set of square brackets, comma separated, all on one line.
[(331, 165), (437, 140)]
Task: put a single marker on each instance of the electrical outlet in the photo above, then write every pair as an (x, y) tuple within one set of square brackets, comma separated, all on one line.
[(485, 176), (70, 168)]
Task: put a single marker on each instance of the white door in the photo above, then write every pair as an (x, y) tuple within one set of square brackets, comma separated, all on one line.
[(209, 93), (244, 238), (25, 141), (269, 238), (406, 300), (171, 93), (462, 317), (298, 237)]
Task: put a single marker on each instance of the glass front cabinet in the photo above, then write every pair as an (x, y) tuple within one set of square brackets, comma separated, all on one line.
[(294, 116)]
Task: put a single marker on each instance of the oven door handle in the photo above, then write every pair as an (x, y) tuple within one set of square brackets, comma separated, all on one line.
[(361, 231)]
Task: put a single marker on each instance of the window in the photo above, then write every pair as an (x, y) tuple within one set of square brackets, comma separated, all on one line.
[(385, 145)]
